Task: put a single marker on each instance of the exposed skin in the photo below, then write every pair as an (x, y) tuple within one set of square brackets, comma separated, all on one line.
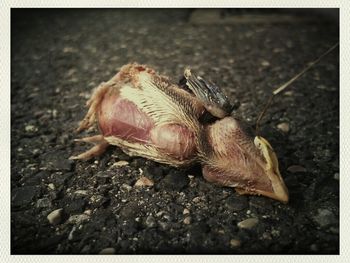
[(146, 115)]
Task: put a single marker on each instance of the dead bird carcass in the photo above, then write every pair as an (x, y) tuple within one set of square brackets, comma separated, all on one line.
[(147, 115)]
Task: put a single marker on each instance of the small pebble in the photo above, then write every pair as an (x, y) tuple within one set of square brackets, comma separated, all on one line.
[(248, 223), (221, 231), (31, 128), (190, 176), (196, 199), (144, 181), (55, 217), (186, 211), (54, 113), (289, 93), (187, 220), (265, 63), (81, 192), (78, 219), (107, 251), (70, 235), (234, 243), (283, 126), (88, 212), (51, 186), (69, 50), (120, 164)]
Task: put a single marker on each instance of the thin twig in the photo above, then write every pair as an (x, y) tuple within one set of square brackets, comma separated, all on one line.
[(285, 85)]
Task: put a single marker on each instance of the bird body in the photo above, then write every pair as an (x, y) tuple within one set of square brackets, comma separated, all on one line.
[(147, 115)]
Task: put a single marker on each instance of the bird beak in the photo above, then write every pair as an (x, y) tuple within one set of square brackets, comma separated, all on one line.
[(280, 191)]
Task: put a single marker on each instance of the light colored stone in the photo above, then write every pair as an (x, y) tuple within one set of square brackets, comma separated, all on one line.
[(30, 128), (234, 243), (187, 220), (289, 93), (265, 63), (283, 126), (88, 212), (54, 113), (81, 192), (186, 211), (55, 217), (248, 223), (144, 181), (69, 50), (196, 199), (70, 235), (78, 219), (120, 164)]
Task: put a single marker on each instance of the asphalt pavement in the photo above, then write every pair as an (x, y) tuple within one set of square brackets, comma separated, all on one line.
[(60, 206)]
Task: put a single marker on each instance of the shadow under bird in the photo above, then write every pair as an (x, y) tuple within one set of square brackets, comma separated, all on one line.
[(147, 115)]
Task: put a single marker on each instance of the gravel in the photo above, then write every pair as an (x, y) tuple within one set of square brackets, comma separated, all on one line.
[(248, 223), (60, 206), (174, 181), (55, 217), (325, 217), (237, 203), (23, 196)]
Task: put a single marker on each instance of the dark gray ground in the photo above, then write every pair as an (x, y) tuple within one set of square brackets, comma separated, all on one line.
[(59, 56)]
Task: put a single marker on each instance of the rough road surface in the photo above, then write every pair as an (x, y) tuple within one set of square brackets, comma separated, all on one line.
[(62, 206)]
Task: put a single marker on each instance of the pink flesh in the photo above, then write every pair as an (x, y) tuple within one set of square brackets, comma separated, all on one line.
[(238, 162), (174, 139), (251, 181), (123, 119)]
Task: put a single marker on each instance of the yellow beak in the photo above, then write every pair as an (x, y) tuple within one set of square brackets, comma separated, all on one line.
[(280, 191)]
